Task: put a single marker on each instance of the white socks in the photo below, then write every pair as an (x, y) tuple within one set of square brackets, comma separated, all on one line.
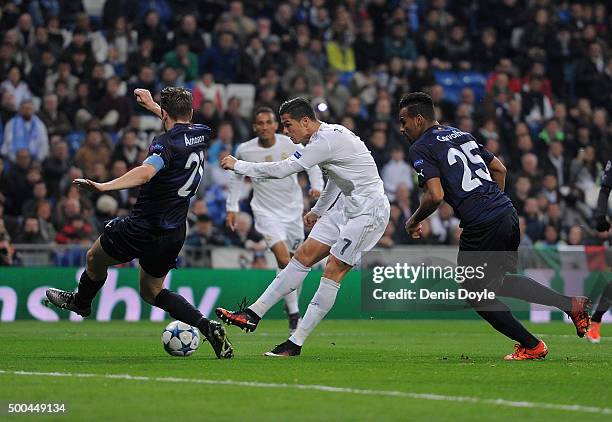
[(291, 300), (287, 281), (321, 303)]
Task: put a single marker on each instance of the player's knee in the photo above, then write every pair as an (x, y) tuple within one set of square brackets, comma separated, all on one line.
[(93, 269), (303, 256), (149, 293), (335, 269)]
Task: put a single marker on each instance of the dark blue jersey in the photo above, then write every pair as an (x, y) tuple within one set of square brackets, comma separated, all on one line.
[(461, 164), (163, 202)]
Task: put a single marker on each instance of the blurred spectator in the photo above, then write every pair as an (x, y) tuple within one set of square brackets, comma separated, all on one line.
[(25, 131), (188, 33), (245, 236), (183, 60), (55, 167), (127, 149), (379, 148), (221, 59), (39, 194), (204, 233), (206, 89), (443, 222), (19, 181), (6, 251), (583, 169), (555, 162), (113, 109), (94, 150), (76, 231), (224, 140), (55, 120), (45, 224), (241, 127), (301, 67), (251, 60), (14, 84), (396, 171), (526, 241), (368, 48), (30, 232), (533, 220), (397, 43)]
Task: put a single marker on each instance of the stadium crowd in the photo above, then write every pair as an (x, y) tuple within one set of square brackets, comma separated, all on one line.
[(541, 100)]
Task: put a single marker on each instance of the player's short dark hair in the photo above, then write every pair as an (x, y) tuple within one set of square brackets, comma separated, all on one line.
[(263, 109), (176, 101), (297, 108), (417, 103)]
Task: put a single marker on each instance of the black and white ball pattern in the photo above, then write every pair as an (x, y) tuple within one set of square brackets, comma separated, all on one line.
[(180, 339)]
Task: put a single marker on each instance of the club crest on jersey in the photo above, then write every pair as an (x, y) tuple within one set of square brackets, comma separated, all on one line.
[(418, 163), (284, 156), (297, 155), (156, 149)]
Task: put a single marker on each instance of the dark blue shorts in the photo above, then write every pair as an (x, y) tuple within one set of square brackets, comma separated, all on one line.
[(495, 243), (125, 239)]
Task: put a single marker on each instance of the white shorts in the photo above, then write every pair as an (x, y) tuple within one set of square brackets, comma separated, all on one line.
[(349, 236), (274, 230)]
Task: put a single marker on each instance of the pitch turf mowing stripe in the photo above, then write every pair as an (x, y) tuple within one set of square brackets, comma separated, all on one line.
[(330, 389)]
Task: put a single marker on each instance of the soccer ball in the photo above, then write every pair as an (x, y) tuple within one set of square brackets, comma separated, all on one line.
[(180, 339)]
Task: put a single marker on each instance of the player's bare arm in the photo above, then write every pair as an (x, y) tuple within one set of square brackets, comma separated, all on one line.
[(145, 99), (133, 178), (430, 201), (498, 172)]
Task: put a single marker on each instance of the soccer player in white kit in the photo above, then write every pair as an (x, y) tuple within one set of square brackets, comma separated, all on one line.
[(349, 218), (277, 204)]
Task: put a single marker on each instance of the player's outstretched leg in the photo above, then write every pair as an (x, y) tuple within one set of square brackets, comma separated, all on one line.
[(499, 316), (90, 283), (319, 306), (527, 289), (291, 308), (152, 291), (605, 303), (287, 281)]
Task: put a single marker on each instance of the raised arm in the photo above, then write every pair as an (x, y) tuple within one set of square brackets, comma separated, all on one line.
[(144, 98)]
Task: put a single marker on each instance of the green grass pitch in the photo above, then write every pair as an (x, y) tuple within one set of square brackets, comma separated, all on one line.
[(378, 370)]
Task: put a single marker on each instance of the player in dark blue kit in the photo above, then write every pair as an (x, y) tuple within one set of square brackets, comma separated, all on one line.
[(602, 225), (451, 166), (155, 230)]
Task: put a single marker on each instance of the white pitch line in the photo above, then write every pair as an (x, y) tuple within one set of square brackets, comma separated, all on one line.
[(330, 389)]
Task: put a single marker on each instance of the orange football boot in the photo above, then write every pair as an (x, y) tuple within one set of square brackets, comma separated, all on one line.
[(523, 353), (593, 335)]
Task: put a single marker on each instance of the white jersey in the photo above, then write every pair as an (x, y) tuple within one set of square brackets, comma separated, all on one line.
[(277, 198), (348, 164), (343, 157)]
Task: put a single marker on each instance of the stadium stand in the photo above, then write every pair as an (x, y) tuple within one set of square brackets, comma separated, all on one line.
[(531, 79)]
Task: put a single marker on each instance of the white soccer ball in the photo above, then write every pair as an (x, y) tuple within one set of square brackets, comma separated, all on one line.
[(180, 339)]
